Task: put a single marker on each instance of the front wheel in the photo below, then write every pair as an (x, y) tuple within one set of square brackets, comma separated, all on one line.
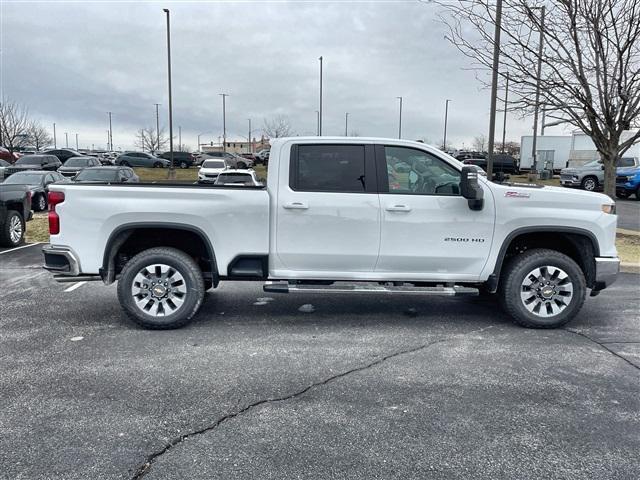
[(161, 288), (157, 165), (589, 184), (542, 289), (622, 194)]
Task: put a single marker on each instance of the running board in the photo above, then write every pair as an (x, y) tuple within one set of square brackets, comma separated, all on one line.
[(285, 287)]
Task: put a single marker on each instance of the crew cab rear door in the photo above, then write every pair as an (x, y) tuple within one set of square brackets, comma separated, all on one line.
[(327, 211), (428, 231)]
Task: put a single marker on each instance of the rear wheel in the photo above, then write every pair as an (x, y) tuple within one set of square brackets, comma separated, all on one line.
[(161, 288), (125, 164), (542, 289), (589, 184), (157, 165), (184, 164), (40, 203), (12, 233)]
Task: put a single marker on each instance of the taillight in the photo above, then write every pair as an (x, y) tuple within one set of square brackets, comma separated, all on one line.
[(54, 198)]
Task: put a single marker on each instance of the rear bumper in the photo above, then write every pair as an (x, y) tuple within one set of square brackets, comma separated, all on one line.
[(60, 260), (607, 269)]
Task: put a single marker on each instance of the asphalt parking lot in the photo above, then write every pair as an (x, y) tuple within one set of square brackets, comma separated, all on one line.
[(363, 387)]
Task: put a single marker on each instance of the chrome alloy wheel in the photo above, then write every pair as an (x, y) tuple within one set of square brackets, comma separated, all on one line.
[(159, 290), (546, 291), (15, 229)]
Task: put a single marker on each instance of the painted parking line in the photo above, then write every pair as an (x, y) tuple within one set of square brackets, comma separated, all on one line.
[(74, 286), (21, 247)]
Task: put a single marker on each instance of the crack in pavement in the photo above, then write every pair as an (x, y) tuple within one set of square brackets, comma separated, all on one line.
[(603, 345), (146, 466)]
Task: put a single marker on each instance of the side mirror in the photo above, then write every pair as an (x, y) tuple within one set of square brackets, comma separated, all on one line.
[(471, 189)]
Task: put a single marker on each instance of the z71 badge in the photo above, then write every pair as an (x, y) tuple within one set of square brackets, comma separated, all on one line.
[(512, 194)]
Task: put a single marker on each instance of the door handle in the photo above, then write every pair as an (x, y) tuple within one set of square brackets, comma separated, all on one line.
[(398, 208), (295, 206)]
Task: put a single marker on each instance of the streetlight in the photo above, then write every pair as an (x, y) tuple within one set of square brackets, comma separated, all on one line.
[(199, 135), (110, 143), (179, 138), (346, 123), (318, 122), (55, 145), (504, 121), (157, 124), (400, 119), (249, 137), (224, 121), (76, 142), (446, 115), (494, 87), (66, 139), (320, 110), (172, 172), (534, 165)]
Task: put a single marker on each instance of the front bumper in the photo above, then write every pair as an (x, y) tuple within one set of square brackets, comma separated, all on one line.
[(60, 260), (607, 269), (569, 182)]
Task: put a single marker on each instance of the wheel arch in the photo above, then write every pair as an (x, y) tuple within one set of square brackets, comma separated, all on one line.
[(123, 237), (579, 244)]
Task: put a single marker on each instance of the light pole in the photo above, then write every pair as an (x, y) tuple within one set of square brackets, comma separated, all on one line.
[(172, 172), (320, 110), (504, 121), (494, 88), (66, 139), (249, 137), (224, 121), (108, 148), (318, 122), (55, 145), (110, 143), (179, 138), (199, 135), (446, 116), (157, 125), (534, 155), (400, 119), (76, 142), (346, 124)]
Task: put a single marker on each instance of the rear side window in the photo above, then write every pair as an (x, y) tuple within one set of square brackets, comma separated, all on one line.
[(328, 168), (625, 162)]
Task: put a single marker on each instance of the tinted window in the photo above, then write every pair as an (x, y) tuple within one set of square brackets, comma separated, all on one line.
[(625, 162), (213, 164), (96, 175), (78, 162), (413, 171), (30, 160), (329, 168), (235, 178), (25, 178)]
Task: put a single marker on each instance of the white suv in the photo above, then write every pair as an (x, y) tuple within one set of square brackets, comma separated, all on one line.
[(210, 169)]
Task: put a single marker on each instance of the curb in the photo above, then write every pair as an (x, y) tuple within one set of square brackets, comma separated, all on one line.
[(629, 267)]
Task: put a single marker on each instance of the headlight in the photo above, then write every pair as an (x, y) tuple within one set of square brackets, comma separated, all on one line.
[(609, 208)]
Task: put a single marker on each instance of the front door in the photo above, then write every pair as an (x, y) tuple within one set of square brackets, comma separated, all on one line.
[(328, 212), (428, 231)]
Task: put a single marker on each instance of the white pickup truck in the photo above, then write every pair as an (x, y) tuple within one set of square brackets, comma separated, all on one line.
[(355, 215)]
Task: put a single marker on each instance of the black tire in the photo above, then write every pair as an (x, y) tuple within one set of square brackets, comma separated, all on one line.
[(125, 164), (40, 203), (7, 232), (181, 263), (158, 165), (184, 164), (624, 194), (589, 183), (512, 285)]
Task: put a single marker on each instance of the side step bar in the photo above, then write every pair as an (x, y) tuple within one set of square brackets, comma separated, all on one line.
[(285, 287)]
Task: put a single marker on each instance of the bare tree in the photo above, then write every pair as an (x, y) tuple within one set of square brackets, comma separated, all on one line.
[(39, 136), (149, 139), (479, 143), (14, 125), (278, 126), (590, 75)]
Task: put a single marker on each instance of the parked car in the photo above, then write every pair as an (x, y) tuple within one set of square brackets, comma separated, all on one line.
[(232, 178), (34, 162), (262, 156), (3, 165), (231, 159), (6, 155), (73, 165), (501, 163), (180, 159), (106, 174), (210, 170), (141, 159), (590, 176), (628, 182), (15, 211), (323, 218), (37, 181), (63, 154)]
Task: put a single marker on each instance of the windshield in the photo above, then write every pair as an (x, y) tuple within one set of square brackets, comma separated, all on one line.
[(29, 160), (24, 179), (213, 164), (96, 175), (77, 162), (235, 178)]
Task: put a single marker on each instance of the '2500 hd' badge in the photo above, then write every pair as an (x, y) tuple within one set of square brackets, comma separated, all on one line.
[(512, 194)]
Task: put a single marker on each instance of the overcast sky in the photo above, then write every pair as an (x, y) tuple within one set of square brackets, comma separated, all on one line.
[(70, 63)]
